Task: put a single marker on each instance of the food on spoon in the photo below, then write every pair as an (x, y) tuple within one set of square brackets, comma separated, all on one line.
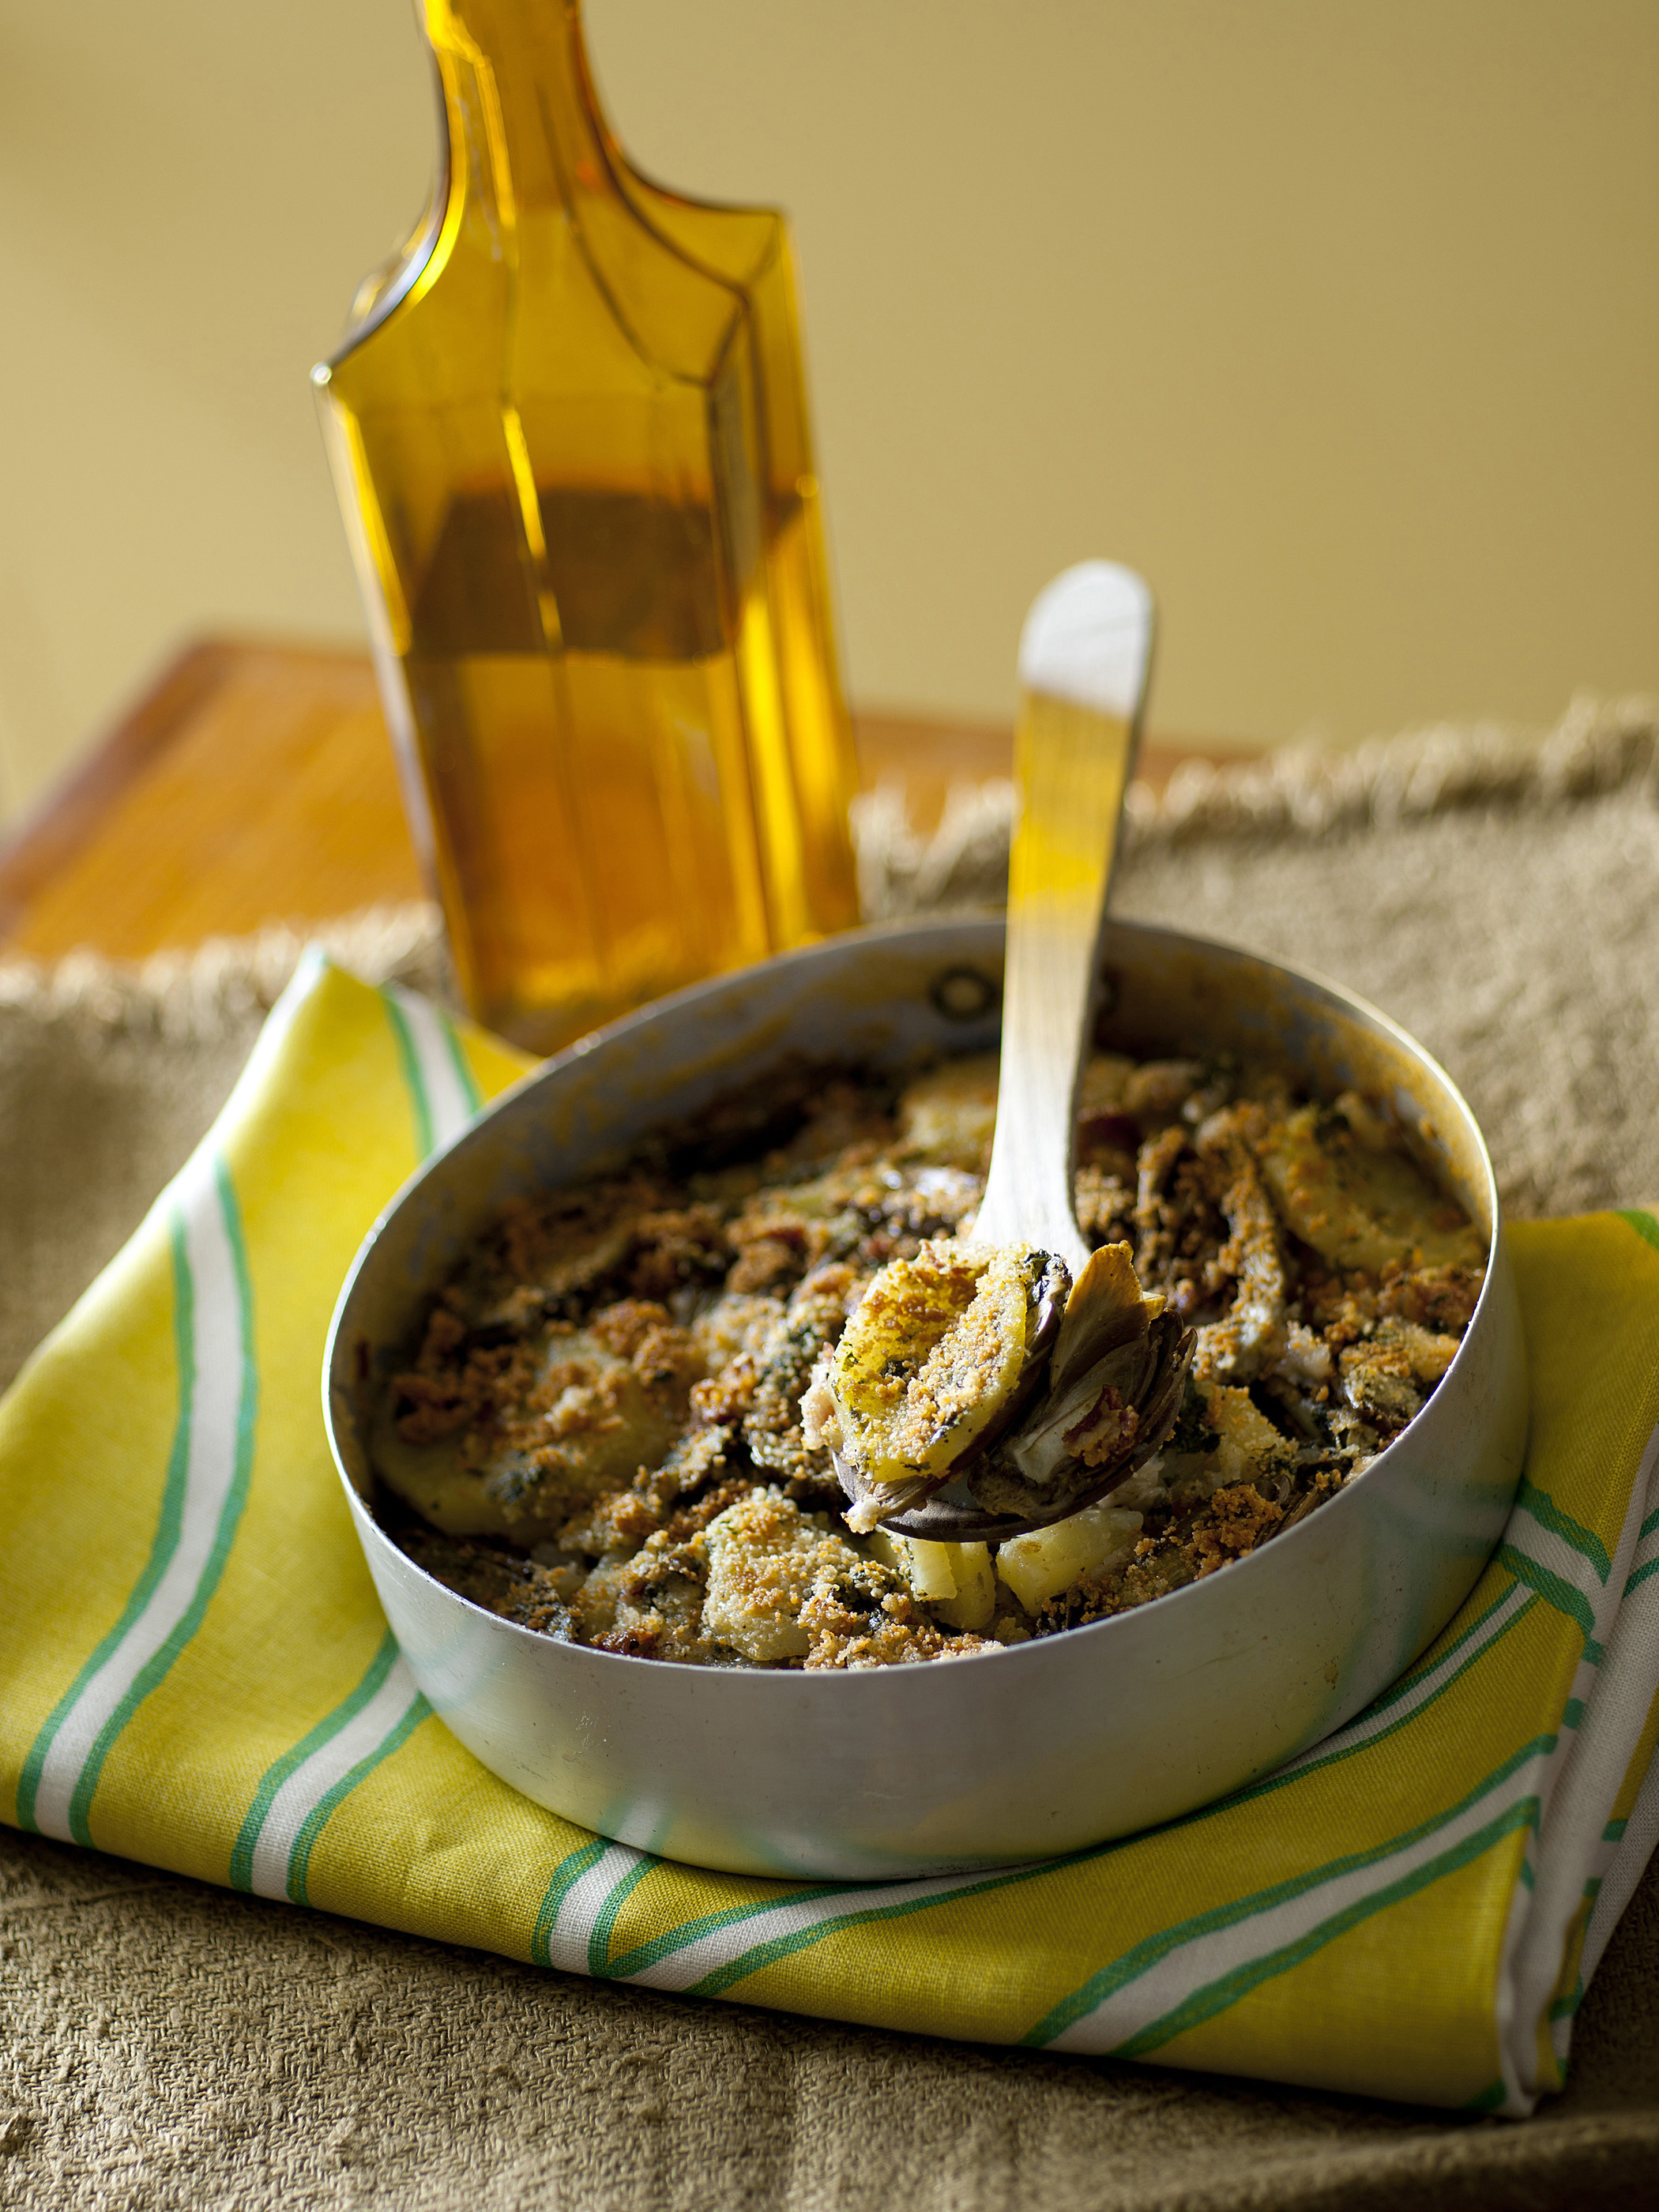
[(988, 1367), (600, 1433), (935, 1358)]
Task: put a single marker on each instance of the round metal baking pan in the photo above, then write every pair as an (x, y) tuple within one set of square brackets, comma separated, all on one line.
[(1048, 1746)]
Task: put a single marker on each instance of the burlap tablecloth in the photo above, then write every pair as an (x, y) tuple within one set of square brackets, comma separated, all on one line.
[(167, 2044)]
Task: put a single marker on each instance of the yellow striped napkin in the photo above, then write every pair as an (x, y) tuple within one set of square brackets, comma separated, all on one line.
[(194, 1671)]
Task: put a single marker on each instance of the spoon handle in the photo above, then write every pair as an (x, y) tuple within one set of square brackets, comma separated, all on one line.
[(1084, 655)]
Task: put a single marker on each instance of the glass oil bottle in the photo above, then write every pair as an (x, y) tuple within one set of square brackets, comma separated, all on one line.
[(568, 431)]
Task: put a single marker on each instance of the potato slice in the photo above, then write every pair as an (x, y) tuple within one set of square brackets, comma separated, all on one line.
[(762, 1559), (595, 1413), (1237, 1441), (1357, 1206), (933, 1351), (975, 1600), (955, 1579), (1039, 1565), (949, 1114), (773, 1569)]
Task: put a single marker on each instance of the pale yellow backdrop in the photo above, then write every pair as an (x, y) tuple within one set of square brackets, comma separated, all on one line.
[(1338, 318)]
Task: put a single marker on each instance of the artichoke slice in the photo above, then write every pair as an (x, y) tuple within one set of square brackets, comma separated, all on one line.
[(1359, 1205), (1119, 1371)]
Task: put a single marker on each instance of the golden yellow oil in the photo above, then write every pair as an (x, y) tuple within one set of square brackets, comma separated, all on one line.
[(569, 436)]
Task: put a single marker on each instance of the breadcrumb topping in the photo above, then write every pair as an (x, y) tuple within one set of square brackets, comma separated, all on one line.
[(615, 1425)]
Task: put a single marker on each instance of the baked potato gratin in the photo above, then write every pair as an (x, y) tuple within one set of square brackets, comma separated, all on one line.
[(599, 1434)]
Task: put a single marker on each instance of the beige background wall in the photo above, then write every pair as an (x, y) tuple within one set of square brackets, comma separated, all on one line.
[(1338, 318)]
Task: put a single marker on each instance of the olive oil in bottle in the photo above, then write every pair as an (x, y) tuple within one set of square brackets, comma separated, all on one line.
[(568, 431)]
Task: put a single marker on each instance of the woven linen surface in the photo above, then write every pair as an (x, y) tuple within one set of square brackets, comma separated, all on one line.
[(170, 2041), (199, 1676)]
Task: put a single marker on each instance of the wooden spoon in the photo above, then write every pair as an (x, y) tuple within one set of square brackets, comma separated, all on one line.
[(1084, 656)]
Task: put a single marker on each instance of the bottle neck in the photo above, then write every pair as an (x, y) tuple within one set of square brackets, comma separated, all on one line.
[(517, 83)]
